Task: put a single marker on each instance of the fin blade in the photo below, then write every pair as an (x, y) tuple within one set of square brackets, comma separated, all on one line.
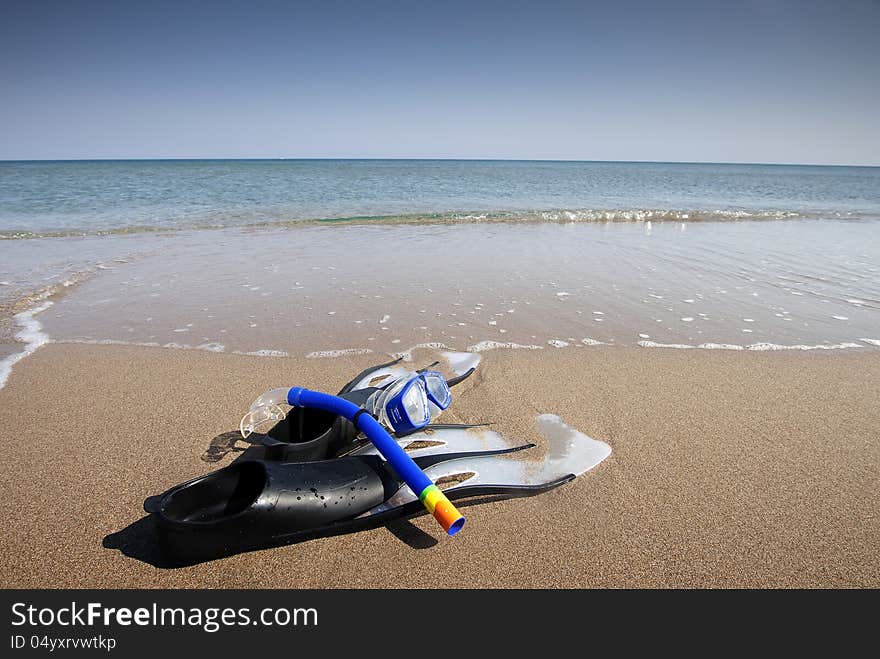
[(426, 461), (569, 454), (448, 439)]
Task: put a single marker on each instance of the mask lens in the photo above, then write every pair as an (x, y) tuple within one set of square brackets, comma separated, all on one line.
[(415, 404), (437, 389)]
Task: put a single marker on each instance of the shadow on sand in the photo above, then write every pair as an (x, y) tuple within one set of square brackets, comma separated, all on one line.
[(140, 539)]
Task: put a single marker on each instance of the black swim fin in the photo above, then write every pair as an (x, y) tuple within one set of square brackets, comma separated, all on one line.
[(256, 504)]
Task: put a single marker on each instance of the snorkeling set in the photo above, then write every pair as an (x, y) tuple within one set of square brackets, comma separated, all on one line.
[(360, 459)]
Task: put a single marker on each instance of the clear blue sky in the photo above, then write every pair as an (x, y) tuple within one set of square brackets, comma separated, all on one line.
[(736, 81)]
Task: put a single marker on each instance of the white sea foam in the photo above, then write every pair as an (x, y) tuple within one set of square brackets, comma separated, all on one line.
[(482, 346), (557, 343), (207, 347), (406, 355), (344, 352), (819, 346), (263, 352), (31, 333), (758, 347), (873, 342), (592, 342), (654, 344), (114, 342), (212, 347), (646, 215)]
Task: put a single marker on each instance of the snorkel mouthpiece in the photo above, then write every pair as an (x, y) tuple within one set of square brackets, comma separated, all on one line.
[(266, 409), (441, 508)]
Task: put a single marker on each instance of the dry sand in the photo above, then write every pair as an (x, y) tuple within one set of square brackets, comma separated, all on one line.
[(728, 469)]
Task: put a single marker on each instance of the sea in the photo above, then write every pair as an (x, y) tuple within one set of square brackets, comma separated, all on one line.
[(328, 257)]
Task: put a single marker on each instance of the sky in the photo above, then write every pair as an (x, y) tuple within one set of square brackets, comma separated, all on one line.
[(787, 81)]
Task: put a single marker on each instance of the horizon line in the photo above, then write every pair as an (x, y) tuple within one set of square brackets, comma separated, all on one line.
[(449, 159)]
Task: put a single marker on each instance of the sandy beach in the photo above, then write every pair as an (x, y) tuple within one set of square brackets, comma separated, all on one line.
[(729, 469)]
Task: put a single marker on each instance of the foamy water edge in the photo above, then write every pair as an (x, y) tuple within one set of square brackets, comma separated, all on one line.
[(31, 334), (33, 337)]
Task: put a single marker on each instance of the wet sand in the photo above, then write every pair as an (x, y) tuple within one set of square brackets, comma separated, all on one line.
[(728, 470)]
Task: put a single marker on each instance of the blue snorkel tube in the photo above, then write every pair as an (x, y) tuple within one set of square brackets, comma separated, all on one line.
[(428, 493)]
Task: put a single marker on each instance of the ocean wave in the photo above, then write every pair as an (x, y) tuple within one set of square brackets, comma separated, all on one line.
[(23, 300), (30, 333), (173, 345), (406, 355), (342, 352), (540, 216), (482, 346), (755, 347), (20, 314)]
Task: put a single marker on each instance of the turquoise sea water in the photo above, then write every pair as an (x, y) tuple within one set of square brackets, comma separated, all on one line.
[(38, 198)]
